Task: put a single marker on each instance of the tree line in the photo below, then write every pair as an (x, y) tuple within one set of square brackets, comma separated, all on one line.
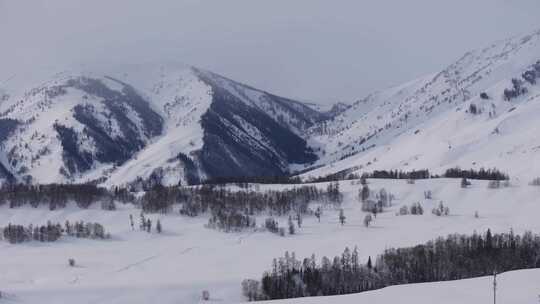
[(50, 232), (59, 195), (452, 258), (398, 174), (482, 174)]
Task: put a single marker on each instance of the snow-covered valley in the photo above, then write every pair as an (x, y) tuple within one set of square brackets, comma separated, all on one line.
[(187, 258), (146, 136)]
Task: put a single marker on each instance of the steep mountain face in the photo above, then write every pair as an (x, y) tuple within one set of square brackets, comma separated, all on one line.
[(478, 112), (148, 124), (252, 133)]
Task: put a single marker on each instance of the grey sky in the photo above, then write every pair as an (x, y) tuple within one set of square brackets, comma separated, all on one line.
[(307, 49)]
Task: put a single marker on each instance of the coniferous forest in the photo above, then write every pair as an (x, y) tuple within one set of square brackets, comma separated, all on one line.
[(452, 258), (50, 232)]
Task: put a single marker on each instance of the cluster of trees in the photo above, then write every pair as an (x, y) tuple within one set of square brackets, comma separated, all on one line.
[(229, 210), (346, 174), (473, 109), (273, 226), (240, 181), (535, 182), (414, 209), (441, 210), (496, 184), (395, 174), (145, 224), (59, 195), (452, 258), (482, 174), (52, 232), (373, 201), (517, 90), (530, 76), (16, 234), (230, 221), (86, 230), (219, 200)]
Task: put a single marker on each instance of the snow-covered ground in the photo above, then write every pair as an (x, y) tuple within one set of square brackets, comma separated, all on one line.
[(174, 267), (517, 287), (427, 123)]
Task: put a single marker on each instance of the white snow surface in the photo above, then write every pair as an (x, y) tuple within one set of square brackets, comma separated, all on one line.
[(181, 98), (173, 91), (174, 267), (425, 124)]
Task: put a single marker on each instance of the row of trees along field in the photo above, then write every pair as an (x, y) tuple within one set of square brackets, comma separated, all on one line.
[(193, 200), (52, 232), (452, 258)]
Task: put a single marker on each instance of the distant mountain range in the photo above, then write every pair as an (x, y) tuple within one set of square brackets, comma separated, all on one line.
[(174, 124)]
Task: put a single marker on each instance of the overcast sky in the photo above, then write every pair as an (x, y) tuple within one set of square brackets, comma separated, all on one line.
[(326, 51)]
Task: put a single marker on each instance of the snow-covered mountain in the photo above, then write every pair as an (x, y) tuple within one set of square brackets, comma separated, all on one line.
[(472, 114), (172, 123), (165, 124)]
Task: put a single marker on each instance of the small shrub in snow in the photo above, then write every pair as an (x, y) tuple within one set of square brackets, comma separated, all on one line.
[(476, 214), (318, 214), (205, 295), (411, 181), (367, 220), (428, 195), (71, 262), (404, 210), (465, 183), (473, 109)]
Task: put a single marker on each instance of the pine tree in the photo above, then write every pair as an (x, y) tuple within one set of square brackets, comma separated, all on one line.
[(367, 220), (364, 193), (158, 226), (143, 222), (291, 226), (318, 214), (342, 217)]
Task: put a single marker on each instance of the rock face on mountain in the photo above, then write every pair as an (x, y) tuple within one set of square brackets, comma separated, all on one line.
[(149, 124)]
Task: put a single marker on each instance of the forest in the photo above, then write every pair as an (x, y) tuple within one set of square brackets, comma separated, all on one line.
[(454, 257), (229, 210), (50, 232), (481, 174)]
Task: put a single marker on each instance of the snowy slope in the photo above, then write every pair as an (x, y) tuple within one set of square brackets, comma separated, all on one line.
[(147, 123), (135, 267), (427, 123), (519, 287)]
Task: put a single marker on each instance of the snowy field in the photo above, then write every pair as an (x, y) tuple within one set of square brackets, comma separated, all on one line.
[(177, 265)]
